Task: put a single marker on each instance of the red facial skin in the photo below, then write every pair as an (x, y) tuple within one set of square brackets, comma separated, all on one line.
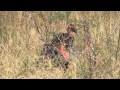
[(64, 53), (72, 34)]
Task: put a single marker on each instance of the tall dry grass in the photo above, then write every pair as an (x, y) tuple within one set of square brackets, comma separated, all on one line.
[(23, 33)]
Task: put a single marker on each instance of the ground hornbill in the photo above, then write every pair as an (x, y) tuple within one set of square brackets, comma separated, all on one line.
[(60, 45)]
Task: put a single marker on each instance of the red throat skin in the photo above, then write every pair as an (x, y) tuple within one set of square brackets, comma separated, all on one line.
[(64, 53), (72, 34)]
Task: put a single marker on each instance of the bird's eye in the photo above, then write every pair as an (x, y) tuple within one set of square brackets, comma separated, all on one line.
[(73, 30)]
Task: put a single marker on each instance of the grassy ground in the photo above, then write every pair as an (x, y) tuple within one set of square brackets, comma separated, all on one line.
[(22, 35)]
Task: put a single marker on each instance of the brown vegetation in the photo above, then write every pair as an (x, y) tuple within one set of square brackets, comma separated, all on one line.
[(23, 34)]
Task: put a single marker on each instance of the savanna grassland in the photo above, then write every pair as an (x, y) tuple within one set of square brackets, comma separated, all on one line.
[(23, 33)]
